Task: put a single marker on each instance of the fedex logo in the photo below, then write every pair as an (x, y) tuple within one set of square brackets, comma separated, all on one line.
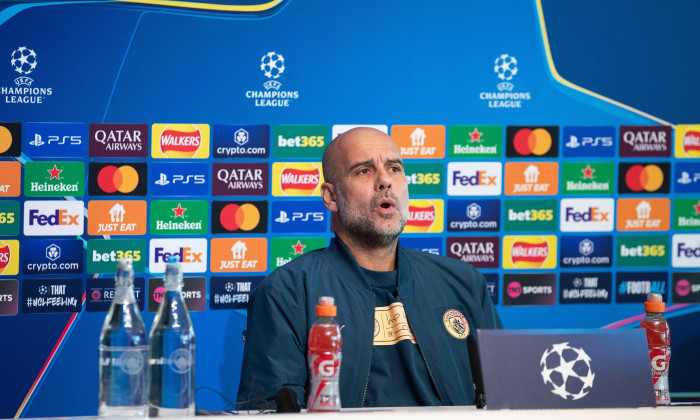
[(686, 250), (587, 215), (54, 218), (474, 178), (193, 256)]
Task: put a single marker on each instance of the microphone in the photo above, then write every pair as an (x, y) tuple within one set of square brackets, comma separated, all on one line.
[(477, 376), (286, 400)]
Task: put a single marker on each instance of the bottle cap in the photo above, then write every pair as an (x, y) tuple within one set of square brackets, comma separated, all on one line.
[(654, 303), (326, 306)]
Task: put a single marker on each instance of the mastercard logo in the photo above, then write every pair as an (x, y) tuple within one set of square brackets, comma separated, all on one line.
[(644, 178), (5, 139), (123, 179), (239, 217), (529, 252), (532, 142)]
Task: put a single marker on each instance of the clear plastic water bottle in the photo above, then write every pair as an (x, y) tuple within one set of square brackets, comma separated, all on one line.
[(123, 351), (172, 360), (325, 345), (659, 340)]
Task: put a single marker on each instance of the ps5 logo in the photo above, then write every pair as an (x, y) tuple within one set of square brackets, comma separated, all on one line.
[(181, 179), (299, 216), (589, 141), (59, 140), (37, 141)]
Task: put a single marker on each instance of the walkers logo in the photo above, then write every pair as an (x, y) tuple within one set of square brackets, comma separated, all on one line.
[(532, 178), (272, 65), (479, 251), (240, 179), (686, 250), (117, 178), (180, 141), (588, 178), (587, 215), (239, 217), (644, 178), (119, 140), (642, 251), (645, 141), (585, 288), (54, 140), (179, 179), (431, 245), (505, 67), (238, 254), (9, 257), (473, 215), (54, 218), (296, 179), (687, 178), (23, 60), (232, 292), (52, 256), (425, 216), (686, 287), (283, 250), (529, 289), (588, 141), (475, 141), (532, 215), (194, 291), (54, 179), (192, 253), (241, 141), (686, 213), (99, 293), (339, 129), (299, 217), (424, 178), (529, 252), (532, 141), (9, 218), (9, 296), (179, 217), (10, 184), (10, 139), (474, 178), (420, 141), (586, 251), (52, 295), (299, 141), (634, 287), (637, 214), (117, 217), (687, 141), (103, 254)]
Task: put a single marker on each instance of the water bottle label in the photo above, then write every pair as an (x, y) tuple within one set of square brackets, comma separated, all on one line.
[(659, 363), (180, 361), (130, 361)]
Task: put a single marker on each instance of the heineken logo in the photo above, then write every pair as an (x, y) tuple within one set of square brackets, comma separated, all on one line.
[(54, 179), (177, 217)]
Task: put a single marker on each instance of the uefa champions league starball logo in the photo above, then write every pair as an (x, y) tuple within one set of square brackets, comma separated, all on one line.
[(23, 60), (272, 66), (505, 67), (567, 370)]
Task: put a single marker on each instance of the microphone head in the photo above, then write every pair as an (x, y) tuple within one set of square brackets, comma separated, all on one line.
[(286, 400)]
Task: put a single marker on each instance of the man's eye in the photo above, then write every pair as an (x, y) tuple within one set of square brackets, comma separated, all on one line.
[(363, 171)]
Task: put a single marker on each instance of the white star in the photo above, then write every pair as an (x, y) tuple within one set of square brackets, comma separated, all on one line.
[(560, 390)]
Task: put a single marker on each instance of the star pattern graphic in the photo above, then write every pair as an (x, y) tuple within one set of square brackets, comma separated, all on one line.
[(55, 172), (298, 248), (476, 135), (588, 172), (179, 211)]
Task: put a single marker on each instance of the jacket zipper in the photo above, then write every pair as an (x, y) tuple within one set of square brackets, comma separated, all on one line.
[(371, 352)]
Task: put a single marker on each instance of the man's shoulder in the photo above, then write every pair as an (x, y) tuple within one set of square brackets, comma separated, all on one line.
[(427, 262)]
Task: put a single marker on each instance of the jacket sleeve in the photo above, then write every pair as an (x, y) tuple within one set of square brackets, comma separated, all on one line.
[(275, 348), (491, 318)]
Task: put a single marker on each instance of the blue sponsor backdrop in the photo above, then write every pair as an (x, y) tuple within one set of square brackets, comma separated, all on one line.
[(152, 65)]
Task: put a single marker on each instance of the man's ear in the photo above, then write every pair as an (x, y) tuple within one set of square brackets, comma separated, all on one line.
[(328, 196)]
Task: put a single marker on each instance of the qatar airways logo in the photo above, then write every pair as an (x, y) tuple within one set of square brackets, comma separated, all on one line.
[(474, 178), (587, 215)]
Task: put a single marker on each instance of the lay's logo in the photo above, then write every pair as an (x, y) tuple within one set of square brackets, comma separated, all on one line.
[(530, 252), (180, 141), (425, 216), (296, 179)]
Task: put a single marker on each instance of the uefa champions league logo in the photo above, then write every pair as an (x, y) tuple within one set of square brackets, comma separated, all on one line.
[(272, 66), (567, 370), (505, 67), (23, 60)]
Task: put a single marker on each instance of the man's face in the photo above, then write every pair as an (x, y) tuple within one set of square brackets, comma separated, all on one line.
[(371, 189)]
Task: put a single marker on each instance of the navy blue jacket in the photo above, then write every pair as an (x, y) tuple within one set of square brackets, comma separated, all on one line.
[(282, 310)]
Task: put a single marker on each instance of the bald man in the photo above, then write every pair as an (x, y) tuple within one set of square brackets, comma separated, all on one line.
[(405, 314)]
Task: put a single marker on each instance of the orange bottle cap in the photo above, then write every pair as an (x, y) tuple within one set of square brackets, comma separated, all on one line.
[(326, 306), (654, 303)]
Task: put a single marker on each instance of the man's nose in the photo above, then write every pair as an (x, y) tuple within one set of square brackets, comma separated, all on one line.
[(383, 180)]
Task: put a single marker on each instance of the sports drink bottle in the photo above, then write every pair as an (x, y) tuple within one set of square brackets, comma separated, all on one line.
[(123, 350), (325, 345), (659, 340)]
